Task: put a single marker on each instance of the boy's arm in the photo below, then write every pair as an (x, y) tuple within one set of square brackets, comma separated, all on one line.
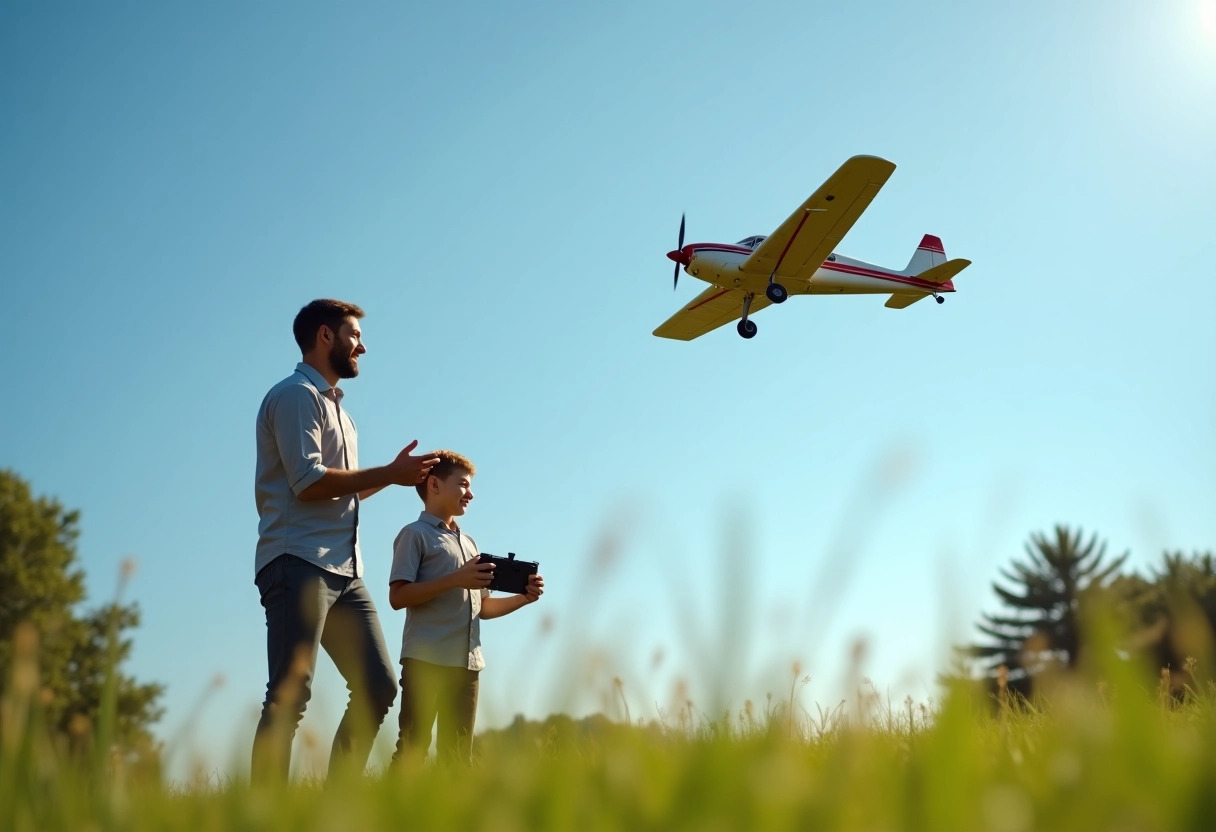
[(498, 607), (402, 594), (471, 576)]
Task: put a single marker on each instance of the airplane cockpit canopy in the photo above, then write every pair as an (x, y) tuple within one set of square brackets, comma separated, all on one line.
[(752, 242)]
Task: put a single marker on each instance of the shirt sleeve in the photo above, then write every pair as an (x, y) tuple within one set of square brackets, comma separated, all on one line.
[(296, 420), (407, 556)]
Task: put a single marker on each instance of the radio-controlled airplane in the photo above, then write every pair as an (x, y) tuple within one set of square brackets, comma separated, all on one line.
[(798, 259)]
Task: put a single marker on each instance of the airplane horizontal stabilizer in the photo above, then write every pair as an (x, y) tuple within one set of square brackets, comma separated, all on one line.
[(901, 300), (945, 272)]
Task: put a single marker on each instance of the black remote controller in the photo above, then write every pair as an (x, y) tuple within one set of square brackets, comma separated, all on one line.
[(510, 575)]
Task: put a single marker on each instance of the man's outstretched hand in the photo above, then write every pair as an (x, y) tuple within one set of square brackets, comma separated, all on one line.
[(411, 470)]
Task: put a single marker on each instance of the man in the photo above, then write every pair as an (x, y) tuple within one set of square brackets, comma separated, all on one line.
[(308, 565)]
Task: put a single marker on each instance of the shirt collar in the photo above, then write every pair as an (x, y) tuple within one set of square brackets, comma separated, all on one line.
[(318, 381), (427, 517)]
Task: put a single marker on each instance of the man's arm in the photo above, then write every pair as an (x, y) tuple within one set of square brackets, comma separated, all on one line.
[(404, 470), (296, 421), (498, 607), (471, 576), (336, 482)]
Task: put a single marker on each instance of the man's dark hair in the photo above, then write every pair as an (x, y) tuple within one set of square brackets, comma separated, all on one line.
[(319, 313)]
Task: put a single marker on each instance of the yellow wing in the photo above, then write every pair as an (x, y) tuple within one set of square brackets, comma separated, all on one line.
[(708, 311), (801, 244)]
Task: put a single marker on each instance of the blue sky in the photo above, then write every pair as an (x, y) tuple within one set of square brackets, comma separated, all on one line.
[(497, 188)]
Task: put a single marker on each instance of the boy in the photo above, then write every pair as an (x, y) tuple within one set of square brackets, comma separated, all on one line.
[(436, 578)]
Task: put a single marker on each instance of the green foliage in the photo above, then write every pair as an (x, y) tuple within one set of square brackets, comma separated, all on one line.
[(1047, 603), (1163, 620), (78, 654), (1173, 611)]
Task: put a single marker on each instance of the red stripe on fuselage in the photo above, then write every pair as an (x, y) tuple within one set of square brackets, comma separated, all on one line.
[(843, 268), (695, 247)]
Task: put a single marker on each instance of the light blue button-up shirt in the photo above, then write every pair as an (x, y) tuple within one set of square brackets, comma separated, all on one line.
[(302, 431), (446, 629)]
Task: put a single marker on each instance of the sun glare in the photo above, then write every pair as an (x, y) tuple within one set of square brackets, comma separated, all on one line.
[(1207, 17)]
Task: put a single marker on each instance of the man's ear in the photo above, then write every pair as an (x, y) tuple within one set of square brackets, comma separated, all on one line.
[(321, 335)]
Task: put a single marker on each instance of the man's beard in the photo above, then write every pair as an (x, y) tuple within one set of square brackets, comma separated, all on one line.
[(340, 360)]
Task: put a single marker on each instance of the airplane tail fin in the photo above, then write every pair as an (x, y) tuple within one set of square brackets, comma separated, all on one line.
[(928, 254)]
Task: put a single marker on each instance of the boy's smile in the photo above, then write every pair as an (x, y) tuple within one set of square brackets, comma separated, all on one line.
[(449, 497)]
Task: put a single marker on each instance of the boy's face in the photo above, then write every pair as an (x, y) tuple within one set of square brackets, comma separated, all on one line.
[(450, 496)]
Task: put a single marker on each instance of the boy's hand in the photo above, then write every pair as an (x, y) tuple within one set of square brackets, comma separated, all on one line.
[(473, 575), (411, 470), (536, 588)]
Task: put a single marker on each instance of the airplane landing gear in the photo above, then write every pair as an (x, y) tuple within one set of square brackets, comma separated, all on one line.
[(746, 328), (938, 298), (776, 293)]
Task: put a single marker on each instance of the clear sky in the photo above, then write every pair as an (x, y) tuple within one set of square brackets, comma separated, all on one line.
[(497, 185)]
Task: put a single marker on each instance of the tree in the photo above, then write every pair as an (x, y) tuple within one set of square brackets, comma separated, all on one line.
[(1175, 610), (41, 584), (1046, 601)]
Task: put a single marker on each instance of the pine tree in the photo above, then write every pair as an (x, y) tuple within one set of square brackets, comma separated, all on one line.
[(1043, 626)]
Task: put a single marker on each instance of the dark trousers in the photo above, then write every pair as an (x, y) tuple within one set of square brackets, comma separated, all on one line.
[(429, 691), (306, 608)]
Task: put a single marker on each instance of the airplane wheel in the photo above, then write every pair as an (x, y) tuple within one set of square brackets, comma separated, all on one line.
[(776, 293), (941, 299), (747, 329)]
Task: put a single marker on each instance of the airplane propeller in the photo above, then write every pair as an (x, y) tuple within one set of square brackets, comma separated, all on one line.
[(675, 281)]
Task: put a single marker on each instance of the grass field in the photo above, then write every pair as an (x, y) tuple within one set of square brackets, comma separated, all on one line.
[(1099, 751)]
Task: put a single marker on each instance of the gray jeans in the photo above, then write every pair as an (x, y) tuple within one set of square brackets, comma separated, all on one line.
[(306, 608)]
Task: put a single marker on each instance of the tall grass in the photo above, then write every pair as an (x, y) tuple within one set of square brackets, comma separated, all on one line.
[(1106, 748), (1099, 750)]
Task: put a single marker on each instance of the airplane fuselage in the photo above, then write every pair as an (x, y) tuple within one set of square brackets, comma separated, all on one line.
[(718, 263)]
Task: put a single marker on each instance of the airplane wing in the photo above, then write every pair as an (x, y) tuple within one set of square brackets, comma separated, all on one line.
[(804, 241), (902, 301), (708, 311)]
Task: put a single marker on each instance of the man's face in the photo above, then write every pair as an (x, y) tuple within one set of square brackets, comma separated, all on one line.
[(346, 348), (452, 495)]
